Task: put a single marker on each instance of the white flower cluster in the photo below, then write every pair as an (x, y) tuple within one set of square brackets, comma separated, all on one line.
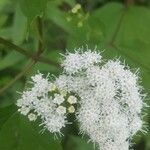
[(45, 101), (108, 94)]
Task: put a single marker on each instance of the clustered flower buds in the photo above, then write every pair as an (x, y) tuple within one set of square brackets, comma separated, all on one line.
[(109, 97)]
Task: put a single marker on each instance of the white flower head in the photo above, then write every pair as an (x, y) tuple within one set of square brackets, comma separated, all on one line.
[(24, 110), (108, 97), (76, 62), (38, 101), (52, 87)]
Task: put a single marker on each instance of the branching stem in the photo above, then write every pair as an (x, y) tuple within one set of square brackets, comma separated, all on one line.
[(27, 52), (34, 58)]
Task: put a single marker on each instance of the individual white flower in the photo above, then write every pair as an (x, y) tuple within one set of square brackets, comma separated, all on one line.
[(37, 78), (52, 87), (24, 110), (62, 82), (32, 117), (19, 102), (76, 8), (90, 58), (61, 110), (72, 99), (58, 99), (71, 109), (72, 63), (54, 123), (27, 98), (41, 84), (63, 93)]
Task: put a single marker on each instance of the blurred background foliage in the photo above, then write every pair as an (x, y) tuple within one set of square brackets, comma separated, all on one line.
[(33, 33)]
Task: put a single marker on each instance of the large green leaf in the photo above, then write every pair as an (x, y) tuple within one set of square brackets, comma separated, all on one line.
[(17, 133), (133, 39)]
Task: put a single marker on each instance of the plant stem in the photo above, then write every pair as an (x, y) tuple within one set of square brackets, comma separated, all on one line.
[(26, 53)]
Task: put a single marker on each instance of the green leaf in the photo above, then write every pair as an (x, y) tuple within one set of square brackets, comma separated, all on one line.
[(33, 8), (6, 113), (134, 44), (148, 141), (17, 133), (3, 3), (53, 55), (3, 19), (5, 32), (78, 143), (9, 98), (10, 59), (45, 68), (19, 27), (129, 43)]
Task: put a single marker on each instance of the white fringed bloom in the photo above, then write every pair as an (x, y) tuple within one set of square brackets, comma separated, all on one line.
[(110, 98), (108, 94), (37, 102), (78, 61), (58, 99)]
